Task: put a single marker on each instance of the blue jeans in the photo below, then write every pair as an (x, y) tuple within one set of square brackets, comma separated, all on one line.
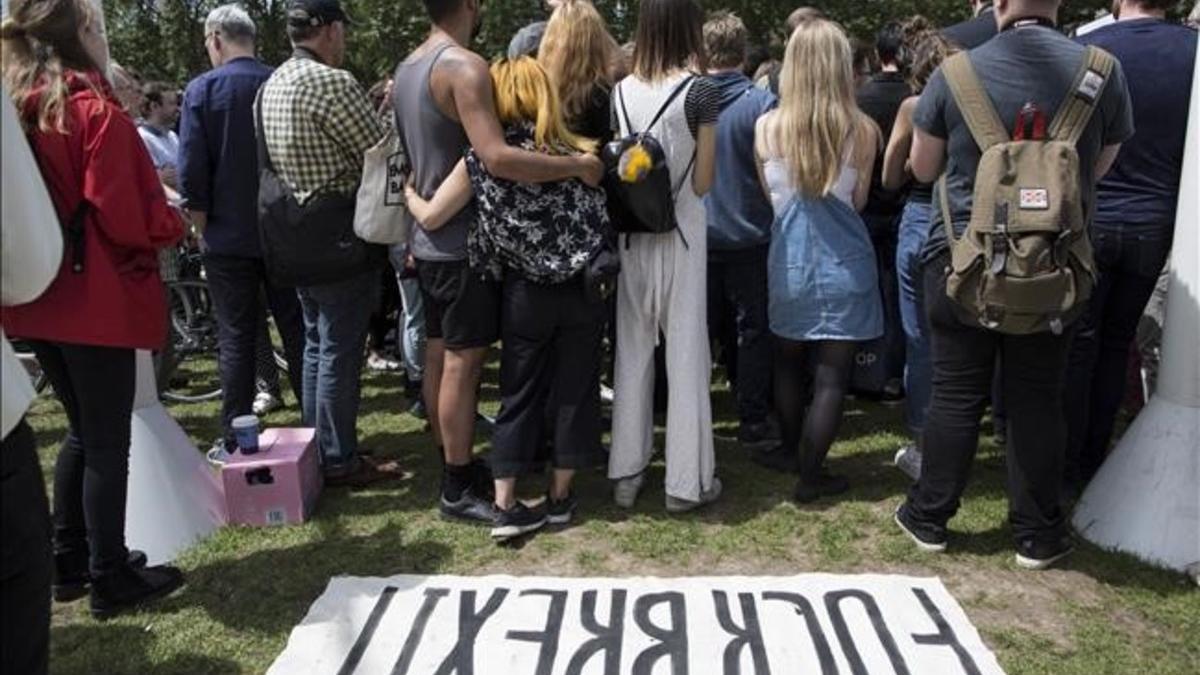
[(335, 331), (918, 371)]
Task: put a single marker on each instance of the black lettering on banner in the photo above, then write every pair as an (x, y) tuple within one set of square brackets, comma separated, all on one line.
[(805, 609), (548, 637), (833, 601), (749, 635), (673, 641), (432, 597), (461, 659), (608, 638), (368, 631), (945, 634)]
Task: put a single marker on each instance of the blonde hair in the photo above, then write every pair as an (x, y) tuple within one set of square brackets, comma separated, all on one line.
[(817, 112), (577, 53), (525, 95), (40, 42)]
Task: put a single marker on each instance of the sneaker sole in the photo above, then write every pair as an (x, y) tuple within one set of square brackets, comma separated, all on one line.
[(105, 614), (507, 532), (460, 518), (1037, 565), (923, 545), (563, 519)]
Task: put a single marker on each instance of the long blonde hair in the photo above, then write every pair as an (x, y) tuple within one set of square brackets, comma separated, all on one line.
[(40, 42), (577, 52), (525, 95), (817, 113)]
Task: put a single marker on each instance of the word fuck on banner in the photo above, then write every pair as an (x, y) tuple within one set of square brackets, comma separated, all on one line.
[(814, 623)]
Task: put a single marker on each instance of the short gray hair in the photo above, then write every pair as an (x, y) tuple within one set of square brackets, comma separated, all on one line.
[(232, 22)]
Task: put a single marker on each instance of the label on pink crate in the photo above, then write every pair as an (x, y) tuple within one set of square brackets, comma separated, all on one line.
[(277, 516)]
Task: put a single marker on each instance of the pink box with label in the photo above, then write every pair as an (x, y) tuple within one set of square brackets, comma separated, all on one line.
[(279, 485)]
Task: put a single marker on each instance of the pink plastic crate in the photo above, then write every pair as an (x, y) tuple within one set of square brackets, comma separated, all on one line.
[(277, 486)]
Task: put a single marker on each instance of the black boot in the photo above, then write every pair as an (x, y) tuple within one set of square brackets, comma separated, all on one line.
[(72, 579), (128, 587)]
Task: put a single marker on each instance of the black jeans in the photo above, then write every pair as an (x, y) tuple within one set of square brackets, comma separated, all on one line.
[(91, 478), (1032, 374), (25, 551), (737, 318), (1129, 264), (549, 368), (892, 348), (235, 284)]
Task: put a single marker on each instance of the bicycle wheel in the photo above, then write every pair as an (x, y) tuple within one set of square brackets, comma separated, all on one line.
[(187, 370)]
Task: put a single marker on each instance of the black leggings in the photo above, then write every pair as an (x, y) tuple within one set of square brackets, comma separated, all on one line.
[(826, 364)]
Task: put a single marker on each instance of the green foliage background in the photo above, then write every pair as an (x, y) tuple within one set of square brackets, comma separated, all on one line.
[(163, 39)]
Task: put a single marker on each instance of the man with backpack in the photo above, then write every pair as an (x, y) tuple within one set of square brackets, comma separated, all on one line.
[(1023, 127), (739, 234)]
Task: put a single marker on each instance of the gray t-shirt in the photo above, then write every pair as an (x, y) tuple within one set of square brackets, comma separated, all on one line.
[(1027, 64)]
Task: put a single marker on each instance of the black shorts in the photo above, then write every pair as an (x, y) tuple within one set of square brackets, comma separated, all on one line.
[(461, 307)]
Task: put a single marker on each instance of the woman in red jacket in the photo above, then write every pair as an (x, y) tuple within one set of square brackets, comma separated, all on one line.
[(107, 299)]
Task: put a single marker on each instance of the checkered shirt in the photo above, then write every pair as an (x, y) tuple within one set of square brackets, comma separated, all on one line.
[(318, 123)]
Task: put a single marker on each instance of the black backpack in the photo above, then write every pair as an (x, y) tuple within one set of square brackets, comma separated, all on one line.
[(642, 201)]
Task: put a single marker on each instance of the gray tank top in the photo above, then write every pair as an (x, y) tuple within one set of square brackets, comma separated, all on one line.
[(434, 143)]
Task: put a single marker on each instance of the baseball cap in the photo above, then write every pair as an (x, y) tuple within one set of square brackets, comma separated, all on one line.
[(315, 12)]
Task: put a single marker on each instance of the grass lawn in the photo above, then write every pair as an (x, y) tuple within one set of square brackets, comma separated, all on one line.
[(1100, 613)]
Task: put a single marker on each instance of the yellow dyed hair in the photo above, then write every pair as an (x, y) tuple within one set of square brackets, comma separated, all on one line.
[(524, 94)]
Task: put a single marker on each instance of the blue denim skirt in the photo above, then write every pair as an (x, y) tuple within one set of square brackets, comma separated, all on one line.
[(823, 281)]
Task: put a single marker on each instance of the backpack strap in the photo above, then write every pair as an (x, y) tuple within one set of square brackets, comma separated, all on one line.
[(1077, 108), (973, 102), (662, 109)]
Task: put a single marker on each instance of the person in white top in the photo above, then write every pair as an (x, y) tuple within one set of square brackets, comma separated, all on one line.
[(663, 285), (31, 250), (815, 156), (160, 112)]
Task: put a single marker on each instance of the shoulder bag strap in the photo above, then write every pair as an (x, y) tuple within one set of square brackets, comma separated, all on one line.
[(1077, 108), (264, 157), (624, 111), (973, 102)]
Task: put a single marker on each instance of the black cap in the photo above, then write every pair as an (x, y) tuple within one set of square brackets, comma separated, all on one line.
[(315, 12)]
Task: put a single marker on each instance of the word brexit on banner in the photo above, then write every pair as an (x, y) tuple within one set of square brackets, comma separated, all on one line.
[(815, 623)]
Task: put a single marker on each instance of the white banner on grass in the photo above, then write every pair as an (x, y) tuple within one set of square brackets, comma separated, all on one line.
[(813, 623)]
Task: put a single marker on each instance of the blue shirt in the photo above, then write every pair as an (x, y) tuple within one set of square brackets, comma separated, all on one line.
[(218, 156), (739, 215), (1143, 186)]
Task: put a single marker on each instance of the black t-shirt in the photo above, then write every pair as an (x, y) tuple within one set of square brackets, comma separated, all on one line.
[(1027, 64), (595, 121), (880, 98)]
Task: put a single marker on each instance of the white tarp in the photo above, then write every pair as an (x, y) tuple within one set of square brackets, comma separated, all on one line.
[(812, 623)]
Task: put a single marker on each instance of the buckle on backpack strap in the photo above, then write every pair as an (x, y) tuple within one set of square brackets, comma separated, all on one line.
[(1000, 240)]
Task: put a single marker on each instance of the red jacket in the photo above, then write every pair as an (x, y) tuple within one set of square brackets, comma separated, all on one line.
[(117, 300)]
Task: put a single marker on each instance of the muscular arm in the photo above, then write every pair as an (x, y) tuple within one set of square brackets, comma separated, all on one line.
[(452, 196), (895, 158), (473, 100)]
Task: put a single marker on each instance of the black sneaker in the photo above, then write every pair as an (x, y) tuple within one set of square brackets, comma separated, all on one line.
[(468, 508), (560, 511), (1035, 555), (826, 485), (417, 409), (761, 434), (70, 586), (128, 588), (924, 537), (778, 459), (518, 520)]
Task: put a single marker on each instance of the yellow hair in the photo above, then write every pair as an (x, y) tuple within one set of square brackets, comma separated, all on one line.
[(817, 111), (524, 94), (577, 53)]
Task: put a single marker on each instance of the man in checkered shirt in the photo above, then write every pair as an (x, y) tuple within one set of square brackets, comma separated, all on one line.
[(317, 123)]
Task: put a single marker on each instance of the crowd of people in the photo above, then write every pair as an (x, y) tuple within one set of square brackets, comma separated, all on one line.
[(816, 204)]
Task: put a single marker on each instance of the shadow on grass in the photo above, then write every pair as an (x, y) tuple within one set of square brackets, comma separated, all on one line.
[(125, 649)]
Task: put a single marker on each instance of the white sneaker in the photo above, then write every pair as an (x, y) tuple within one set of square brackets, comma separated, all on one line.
[(625, 492), (908, 460), (382, 363), (218, 455), (606, 393), (712, 494), (265, 403)]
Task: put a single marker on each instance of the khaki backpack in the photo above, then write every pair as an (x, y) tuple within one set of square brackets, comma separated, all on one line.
[(1024, 263)]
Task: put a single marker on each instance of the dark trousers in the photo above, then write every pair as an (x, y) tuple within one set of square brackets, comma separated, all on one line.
[(549, 368), (25, 555), (737, 318), (236, 287), (95, 386), (892, 348), (1032, 374), (1129, 265)]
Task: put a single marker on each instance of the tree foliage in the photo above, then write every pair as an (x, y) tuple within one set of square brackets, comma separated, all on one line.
[(164, 39)]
